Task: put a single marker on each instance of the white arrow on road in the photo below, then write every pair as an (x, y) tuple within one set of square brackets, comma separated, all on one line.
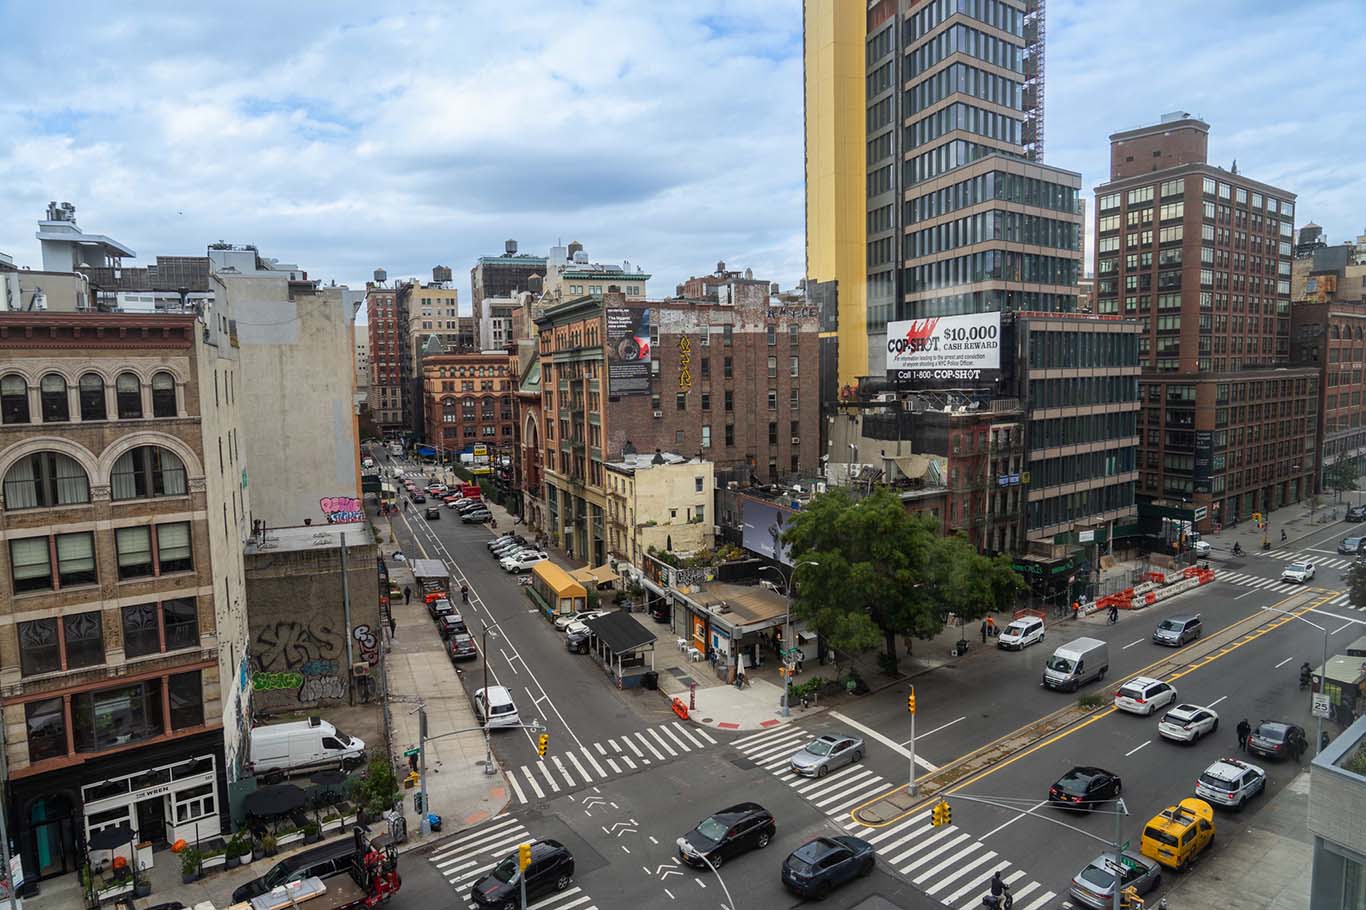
[(667, 872), (616, 825), (670, 866)]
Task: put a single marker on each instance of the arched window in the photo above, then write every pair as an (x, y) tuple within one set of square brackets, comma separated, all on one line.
[(45, 479), (129, 392), (163, 395), (13, 399), (147, 471), (1337, 333), (92, 397), (55, 407)]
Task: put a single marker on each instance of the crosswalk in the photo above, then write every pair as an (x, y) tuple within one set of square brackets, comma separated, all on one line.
[(474, 851), (565, 771), (1249, 580), (947, 863), (1319, 560)]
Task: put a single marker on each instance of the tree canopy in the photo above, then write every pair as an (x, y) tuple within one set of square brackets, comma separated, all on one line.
[(868, 571)]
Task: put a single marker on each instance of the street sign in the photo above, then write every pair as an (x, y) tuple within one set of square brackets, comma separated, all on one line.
[(1086, 536), (409, 753), (1321, 706), (1200, 513)]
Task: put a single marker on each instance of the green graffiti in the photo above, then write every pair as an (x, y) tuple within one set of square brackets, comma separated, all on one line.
[(265, 682)]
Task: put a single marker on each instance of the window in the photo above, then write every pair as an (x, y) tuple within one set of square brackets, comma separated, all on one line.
[(727, 335), (134, 546), (54, 400), (772, 335), (39, 650), (76, 558), (13, 399), (46, 721), (45, 479), (726, 370), (792, 366), (83, 635), (772, 399), (128, 392), (141, 633), (706, 436), (773, 433), (92, 397), (117, 716), (148, 471), (772, 367), (792, 398), (730, 434), (681, 401), (173, 547), (729, 400), (163, 395), (187, 700), (30, 564)]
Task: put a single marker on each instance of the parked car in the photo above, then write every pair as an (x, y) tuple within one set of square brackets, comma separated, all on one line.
[(1085, 787), (821, 865), (1351, 546), (506, 546), (1201, 548), (419, 498), (562, 621), (1179, 833), (659, 610), (1230, 782), (726, 834), (1020, 634), (1187, 723), (522, 562), (323, 862), (551, 869), (496, 703), (576, 642), (433, 513), (505, 537), (451, 624), (1094, 886), (826, 753), (577, 628), (439, 607), (1298, 572), (476, 516), (461, 646), (1144, 695), (1356, 513), (303, 745), (1177, 630), (1276, 739)]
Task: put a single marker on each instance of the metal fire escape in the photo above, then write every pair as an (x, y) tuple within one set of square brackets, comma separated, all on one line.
[(1035, 33)]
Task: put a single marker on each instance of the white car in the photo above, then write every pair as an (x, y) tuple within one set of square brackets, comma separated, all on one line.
[(1020, 634), (1144, 695), (1298, 572), (1201, 548), (522, 562), (563, 621), (496, 704), (1187, 723), (1230, 782), (577, 628)]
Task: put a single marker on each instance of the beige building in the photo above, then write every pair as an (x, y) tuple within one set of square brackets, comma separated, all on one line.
[(661, 501), (432, 310)]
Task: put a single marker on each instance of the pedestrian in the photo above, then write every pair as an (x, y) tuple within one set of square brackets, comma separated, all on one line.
[(464, 592), (1076, 609), (1282, 535), (393, 626), (1244, 731), (984, 631), (991, 626), (407, 595)]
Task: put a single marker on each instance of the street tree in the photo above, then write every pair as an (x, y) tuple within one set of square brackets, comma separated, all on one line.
[(1341, 477), (1356, 583)]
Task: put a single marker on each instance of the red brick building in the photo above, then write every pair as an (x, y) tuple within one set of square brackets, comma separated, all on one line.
[(388, 340), (469, 399)]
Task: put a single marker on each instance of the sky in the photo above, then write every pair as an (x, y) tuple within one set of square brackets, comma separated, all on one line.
[(348, 136)]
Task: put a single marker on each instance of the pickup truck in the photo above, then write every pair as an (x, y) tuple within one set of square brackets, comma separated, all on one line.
[(372, 880)]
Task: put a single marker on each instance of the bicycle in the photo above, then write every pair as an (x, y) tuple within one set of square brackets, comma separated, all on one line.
[(1111, 618)]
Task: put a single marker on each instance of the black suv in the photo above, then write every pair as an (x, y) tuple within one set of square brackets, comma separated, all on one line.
[(728, 833), (320, 862), (551, 869), (1083, 788)]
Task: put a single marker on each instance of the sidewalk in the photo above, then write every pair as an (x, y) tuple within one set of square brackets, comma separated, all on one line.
[(1269, 864), (1293, 519)]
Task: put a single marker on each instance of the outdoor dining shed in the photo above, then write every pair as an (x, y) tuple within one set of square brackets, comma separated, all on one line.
[(621, 644)]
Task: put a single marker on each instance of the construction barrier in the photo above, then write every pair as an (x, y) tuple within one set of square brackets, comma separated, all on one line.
[(680, 708), (1156, 589)]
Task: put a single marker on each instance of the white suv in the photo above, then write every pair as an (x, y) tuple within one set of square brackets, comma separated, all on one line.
[(1144, 695), (1230, 782), (1020, 634), (1299, 572)]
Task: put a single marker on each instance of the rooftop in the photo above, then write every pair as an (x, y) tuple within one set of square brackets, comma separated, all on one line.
[(641, 461), (741, 605)]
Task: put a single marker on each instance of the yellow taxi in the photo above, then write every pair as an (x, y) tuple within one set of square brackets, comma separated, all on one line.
[(1178, 834)]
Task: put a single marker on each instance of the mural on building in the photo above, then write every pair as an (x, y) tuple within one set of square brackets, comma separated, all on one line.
[(369, 644), (341, 509), (289, 645)]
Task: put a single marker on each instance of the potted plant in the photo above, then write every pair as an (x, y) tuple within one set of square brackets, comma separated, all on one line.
[(288, 833), (258, 849), (234, 851), (268, 843), (311, 832), (189, 865)]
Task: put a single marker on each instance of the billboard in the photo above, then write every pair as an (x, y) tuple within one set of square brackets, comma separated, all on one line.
[(763, 525), (945, 351), (628, 351)]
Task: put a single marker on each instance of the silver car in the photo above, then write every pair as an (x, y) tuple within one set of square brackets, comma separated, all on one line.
[(1094, 886), (825, 753)]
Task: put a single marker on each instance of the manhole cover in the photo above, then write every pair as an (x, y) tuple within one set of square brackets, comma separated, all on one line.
[(706, 720), (744, 764)]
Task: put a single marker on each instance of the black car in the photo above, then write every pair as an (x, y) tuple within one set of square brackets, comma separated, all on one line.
[(451, 624), (1085, 788), (576, 642), (1356, 513), (728, 833), (551, 869), (418, 497), (433, 513), (462, 647), (440, 607), (320, 862), (659, 611), (1275, 739), (820, 866)]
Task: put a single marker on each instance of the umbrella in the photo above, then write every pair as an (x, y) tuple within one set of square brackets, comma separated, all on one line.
[(329, 778), (111, 838), (274, 801)]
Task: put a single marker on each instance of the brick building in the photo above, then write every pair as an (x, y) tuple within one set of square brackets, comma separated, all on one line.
[(1331, 336), (468, 399), (503, 276), (1202, 256), (388, 343)]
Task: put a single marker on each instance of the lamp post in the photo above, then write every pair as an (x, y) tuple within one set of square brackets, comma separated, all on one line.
[(787, 628), (484, 655), (1318, 740)]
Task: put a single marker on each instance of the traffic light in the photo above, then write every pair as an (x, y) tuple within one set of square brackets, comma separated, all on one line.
[(542, 742), (523, 856), (910, 701), (941, 814)]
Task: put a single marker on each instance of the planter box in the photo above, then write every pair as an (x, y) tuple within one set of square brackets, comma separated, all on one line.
[(333, 825), (284, 839), (213, 862), (115, 891), (348, 820)]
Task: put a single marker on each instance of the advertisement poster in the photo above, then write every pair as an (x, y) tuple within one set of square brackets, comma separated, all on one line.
[(628, 351), (763, 529), (945, 351)]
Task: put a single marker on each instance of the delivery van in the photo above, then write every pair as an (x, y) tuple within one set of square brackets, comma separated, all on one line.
[(305, 745), (1077, 663)]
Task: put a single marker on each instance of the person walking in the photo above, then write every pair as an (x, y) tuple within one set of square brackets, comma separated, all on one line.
[(991, 626), (984, 631), (464, 592), (407, 595), (393, 626), (1244, 731)]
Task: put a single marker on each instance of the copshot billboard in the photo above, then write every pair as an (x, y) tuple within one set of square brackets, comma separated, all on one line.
[(945, 351)]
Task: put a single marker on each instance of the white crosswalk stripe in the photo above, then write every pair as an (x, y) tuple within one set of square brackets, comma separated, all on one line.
[(468, 856), (572, 769), (1261, 582)]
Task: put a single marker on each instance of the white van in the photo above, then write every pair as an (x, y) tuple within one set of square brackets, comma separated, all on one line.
[(305, 745), (1077, 663), (500, 709)]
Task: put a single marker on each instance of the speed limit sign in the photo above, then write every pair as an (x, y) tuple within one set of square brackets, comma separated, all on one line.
[(1321, 706)]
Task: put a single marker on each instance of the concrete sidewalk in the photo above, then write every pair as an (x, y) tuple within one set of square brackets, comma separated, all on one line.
[(1295, 520)]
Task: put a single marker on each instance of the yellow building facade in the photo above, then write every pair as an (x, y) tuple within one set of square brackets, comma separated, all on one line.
[(665, 504), (836, 192)]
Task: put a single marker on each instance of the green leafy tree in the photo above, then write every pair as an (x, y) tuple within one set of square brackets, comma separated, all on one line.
[(1356, 583), (970, 585), (1342, 476)]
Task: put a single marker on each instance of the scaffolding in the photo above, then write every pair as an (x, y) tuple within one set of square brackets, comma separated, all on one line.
[(1035, 33)]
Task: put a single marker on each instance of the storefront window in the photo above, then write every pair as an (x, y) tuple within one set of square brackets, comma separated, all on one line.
[(187, 700), (193, 803), (148, 779), (104, 790), (118, 716), (46, 729)]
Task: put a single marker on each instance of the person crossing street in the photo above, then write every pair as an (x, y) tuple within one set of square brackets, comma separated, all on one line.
[(1244, 731)]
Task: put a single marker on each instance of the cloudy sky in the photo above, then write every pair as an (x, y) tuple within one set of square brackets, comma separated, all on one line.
[(346, 136)]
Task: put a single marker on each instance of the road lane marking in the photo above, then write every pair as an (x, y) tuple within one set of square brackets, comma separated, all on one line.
[(948, 880), (947, 845), (613, 765), (886, 741), (573, 760), (594, 762), (888, 832), (1248, 594), (1132, 751), (1283, 663), (512, 779), (960, 856), (807, 788), (1132, 643), (1014, 820), (1347, 625), (1216, 701), (667, 748), (922, 844), (935, 730), (545, 772)]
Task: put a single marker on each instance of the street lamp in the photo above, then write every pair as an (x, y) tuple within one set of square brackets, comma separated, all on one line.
[(787, 628), (1318, 741)]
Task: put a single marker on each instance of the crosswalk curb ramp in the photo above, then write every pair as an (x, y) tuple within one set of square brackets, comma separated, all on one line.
[(946, 863)]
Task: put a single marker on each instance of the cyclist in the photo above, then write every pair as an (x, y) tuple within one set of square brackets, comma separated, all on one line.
[(1113, 616)]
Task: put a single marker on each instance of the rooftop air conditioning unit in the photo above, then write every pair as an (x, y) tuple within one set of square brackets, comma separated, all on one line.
[(659, 413), (796, 439)]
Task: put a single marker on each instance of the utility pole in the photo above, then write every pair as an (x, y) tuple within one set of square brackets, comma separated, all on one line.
[(1116, 890), (910, 706), (423, 825), (7, 873), (488, 743), (346, 608)]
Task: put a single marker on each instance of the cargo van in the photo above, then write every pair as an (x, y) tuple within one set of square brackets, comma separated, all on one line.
[(1077, 663), (305, 745)]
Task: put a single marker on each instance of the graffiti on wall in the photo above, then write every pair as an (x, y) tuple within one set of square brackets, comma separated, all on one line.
[(369, 644), (289, 645), (309, 687), (270, 682), (341, 509), (316, 688)]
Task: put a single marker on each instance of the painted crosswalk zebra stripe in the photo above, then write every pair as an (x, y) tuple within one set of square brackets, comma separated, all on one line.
[(531, 780), (588, 757)]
